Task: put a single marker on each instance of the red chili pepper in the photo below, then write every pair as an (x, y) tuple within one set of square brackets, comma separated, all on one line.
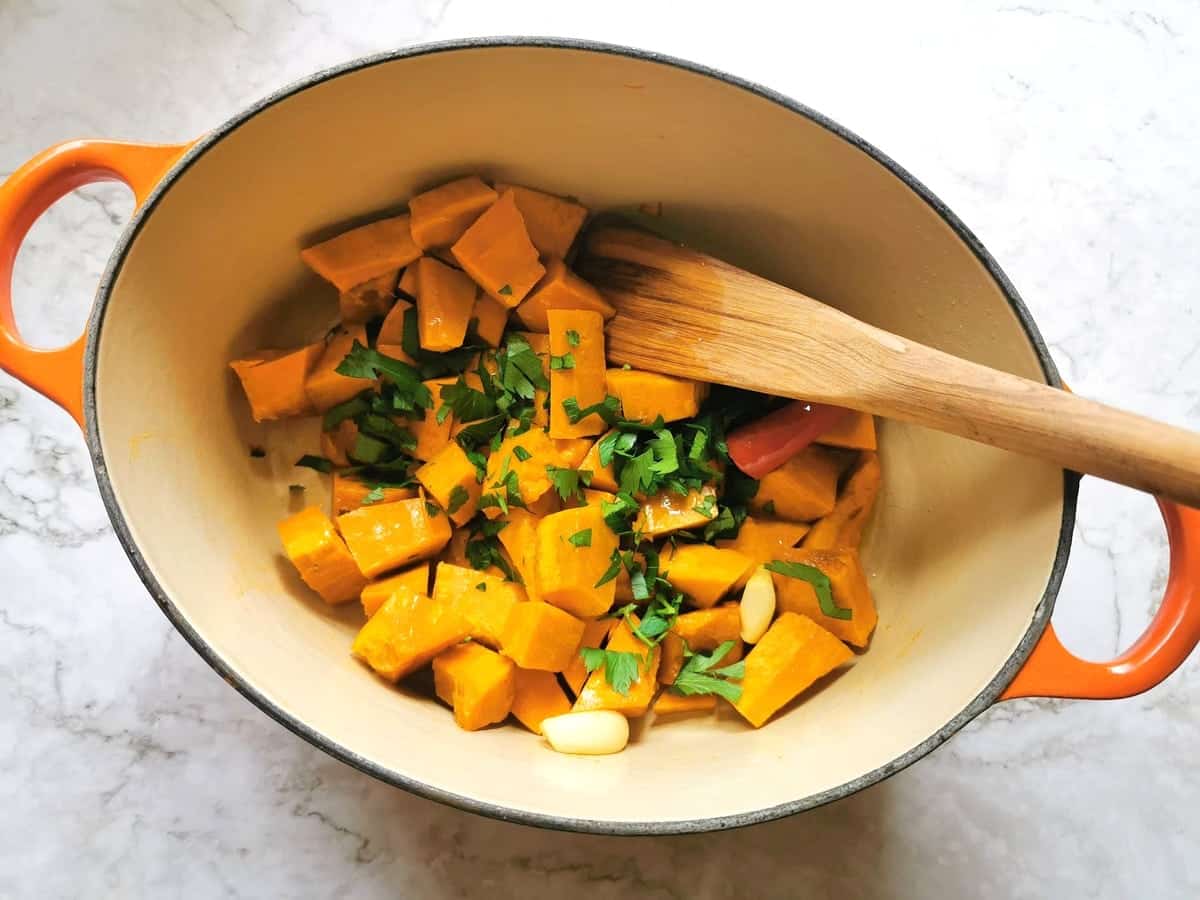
[(765, 445)]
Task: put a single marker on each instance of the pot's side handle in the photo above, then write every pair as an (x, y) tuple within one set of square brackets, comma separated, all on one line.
[(1053, 671), (27, 193)]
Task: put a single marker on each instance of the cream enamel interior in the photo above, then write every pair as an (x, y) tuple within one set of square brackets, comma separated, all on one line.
[(963, 541)]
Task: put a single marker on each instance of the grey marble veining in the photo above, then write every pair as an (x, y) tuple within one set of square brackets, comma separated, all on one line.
[(1063, 134)]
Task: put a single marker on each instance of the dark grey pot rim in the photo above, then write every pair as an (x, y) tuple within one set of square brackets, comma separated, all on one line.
[(211, 655)]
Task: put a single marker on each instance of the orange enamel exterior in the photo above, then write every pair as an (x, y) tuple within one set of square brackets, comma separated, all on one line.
[(30, 191), (1053, 671)]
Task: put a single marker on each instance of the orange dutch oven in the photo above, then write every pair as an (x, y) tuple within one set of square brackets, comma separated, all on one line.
[(968, 544)]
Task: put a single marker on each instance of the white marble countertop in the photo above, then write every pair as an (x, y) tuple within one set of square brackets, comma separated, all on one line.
[(1064, 135)]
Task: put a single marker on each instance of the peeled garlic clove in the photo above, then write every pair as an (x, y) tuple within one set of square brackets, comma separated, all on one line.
[(757, 606), (593, 732)]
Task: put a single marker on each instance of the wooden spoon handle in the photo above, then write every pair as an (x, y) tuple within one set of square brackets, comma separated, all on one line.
[(682, 313)]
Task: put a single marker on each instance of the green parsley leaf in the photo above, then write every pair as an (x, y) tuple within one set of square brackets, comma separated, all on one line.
[(621, 667), (467, 403), (506, 290), (706, 506), (522, 454), (363, 362), (479, 433), (582, 538), (572, 337), (458, 496), (432, 509), (699, 677), (319, 463), (619, 514), (819, 581), (482, 586), (613, 570), (637, 581), (355, 406), (606, 409), (769, 508), (371, 450), (373, 496), (566, 361), (569, 482), (386, 430)]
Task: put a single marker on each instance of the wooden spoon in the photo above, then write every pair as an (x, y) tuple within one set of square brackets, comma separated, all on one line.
[(680, 312)]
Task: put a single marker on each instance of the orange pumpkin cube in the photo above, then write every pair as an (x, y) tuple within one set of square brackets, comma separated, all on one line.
[(850, 591), (802, 489), (793, 654), (603, 477), (274, 381), (552, 222), (647, 395), (844, 526), (321, 556), (560, 289), (485, 600), (431, 435), (369, 300), (525, 456), (478, 683), (414, 580), (450, 478), (703, 572), (349, 493), (497, 253), (597, 693), (491, 318), (574, 548), (572, 451), (595, 633), (855, 431), (541, 636), (339, 442), (407, 632), (325, 387), (441, 215), (391, 332), (538, 697), (667, 512), (390, 535), (519, 540), (702, 631), (445, 301), (669, 703), (762, 540), (579, 334), (363, 253)]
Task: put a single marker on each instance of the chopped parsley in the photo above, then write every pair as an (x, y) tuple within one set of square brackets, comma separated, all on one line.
[(820, 584), (363, 362), (482, 586), (572, 337), (569, 483), (613, 570), (769, 508), (699, 677), (506, 290), (348, 409), (566, 361), (621, 667), (319, 463), (606, 409), (522, 454), (431, 509), (582, 538), (458, 496)]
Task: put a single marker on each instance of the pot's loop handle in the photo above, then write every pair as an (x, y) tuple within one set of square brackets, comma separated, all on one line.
[(26, 194), (1053, 671)]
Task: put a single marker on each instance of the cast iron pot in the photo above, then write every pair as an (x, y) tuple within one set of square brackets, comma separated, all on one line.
[(967, 547)]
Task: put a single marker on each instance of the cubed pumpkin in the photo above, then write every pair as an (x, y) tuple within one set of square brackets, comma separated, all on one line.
[(349, 493), (703, 630), (762, 540), (478, 684), (793, 654), (848, 581), (321, 556), (414, 580), (855, 431), (802, 489), (363, 253), (274, 381), (577, 335), (560, 288), (552, 221), (391, 331), (645, 396), (484, 600), (387, 536), (406, 632), (670, 704), (440, 216), (574, 548), (336, 444), (450, 478), (519, 540), (844, 526), (431, 435), (445, 301), (541, 636), (523, 458), (369, 300), (538, 697), (490, 318), (597, 693), (603, 476), (325, 387), (572, 451), (667, 512), (703, 572), (497, 253)]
